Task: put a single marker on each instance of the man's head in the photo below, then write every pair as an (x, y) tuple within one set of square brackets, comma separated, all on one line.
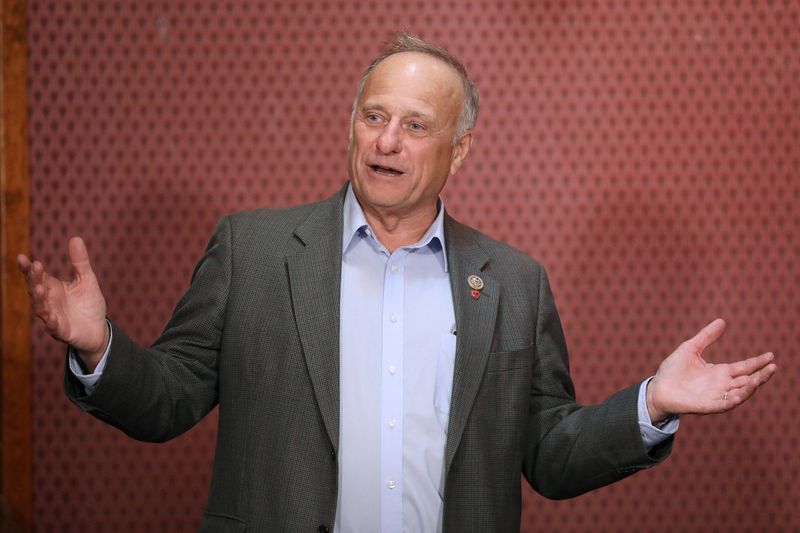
[(411, 128), (406, 42)]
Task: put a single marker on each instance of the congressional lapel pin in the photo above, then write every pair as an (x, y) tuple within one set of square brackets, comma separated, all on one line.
[(476, 284)]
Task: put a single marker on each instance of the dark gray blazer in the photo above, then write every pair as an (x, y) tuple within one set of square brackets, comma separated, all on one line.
[(257, 332)]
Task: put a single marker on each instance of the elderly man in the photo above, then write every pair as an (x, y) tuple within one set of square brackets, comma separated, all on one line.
[(378, 366)]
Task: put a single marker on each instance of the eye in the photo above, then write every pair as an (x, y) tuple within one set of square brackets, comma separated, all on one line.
[(372, 118), (416, 126)]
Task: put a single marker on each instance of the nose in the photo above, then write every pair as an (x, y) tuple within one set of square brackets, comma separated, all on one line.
[(389, 141)]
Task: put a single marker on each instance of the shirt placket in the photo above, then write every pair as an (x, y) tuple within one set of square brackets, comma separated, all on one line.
[(392, 393)]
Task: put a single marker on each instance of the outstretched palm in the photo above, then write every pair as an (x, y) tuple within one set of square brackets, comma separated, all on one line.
[(72, 311), (686, 383)]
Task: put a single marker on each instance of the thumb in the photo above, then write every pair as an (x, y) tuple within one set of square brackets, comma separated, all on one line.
[(708, 335), (79, 257)]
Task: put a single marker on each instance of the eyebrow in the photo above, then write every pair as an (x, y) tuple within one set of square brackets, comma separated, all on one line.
[(379, 107)]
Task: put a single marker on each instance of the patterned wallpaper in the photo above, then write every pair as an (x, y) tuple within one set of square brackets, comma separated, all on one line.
[(647, 152)]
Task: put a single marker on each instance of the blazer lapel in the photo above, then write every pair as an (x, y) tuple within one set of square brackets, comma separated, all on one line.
[(475, 321), (315, 279)]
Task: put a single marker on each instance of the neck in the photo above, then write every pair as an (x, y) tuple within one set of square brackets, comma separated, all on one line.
[(395, 230)]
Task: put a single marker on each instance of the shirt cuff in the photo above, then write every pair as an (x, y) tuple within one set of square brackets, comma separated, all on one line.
[(653, 435), (89, 381)]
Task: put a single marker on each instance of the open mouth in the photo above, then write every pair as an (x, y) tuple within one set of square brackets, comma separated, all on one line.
[(385, 171)]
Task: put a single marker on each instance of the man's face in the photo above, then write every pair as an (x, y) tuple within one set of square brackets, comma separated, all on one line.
[(401, 148)]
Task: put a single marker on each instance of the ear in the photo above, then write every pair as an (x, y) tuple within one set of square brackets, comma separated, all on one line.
[(460, 151), (351, 131)]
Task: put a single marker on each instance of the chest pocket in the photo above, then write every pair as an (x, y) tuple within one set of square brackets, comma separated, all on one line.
[(504, 361)]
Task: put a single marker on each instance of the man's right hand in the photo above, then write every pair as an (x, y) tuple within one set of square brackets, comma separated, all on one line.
[(72, 311)]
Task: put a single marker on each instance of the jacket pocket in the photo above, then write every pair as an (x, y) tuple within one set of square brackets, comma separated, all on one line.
[(219, 523), (504, 361)]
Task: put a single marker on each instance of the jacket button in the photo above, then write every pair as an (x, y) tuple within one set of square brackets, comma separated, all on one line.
[(322, 529)]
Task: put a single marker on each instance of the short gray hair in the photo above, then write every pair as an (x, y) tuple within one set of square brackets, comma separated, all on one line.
[(407, 42)]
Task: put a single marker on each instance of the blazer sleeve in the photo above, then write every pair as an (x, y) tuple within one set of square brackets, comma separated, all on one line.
[(158, 393), (572, 449)]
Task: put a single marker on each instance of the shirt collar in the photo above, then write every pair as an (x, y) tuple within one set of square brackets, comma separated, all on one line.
[(355, 225)]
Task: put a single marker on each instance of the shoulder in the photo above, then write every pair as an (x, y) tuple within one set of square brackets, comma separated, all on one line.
[(282, 225), (520, 281), (502, 257), (274, 220), (291, 216)]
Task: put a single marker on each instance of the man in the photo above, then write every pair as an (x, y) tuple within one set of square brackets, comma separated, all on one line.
[(377, 365)]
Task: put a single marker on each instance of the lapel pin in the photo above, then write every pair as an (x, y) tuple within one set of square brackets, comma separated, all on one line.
[(476, 284)]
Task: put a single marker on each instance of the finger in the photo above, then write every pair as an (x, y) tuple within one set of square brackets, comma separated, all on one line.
[(79, 256), (39, 300), (741, 381), (25, 266), (36, 274), (708, 335), (33, 277), (749, 385), (51, 323), (750, 365), (766, 373), (758, 377), (24, 263)]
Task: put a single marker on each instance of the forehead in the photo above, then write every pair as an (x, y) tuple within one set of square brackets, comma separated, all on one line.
[(415, 76)]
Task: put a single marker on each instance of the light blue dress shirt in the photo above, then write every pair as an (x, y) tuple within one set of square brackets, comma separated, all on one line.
[(397, 357)]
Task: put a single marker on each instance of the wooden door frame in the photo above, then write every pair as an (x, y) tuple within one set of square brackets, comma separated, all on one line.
[(16, 457)]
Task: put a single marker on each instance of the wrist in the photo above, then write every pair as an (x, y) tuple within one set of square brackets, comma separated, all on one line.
[(657, 415), (89, 359)]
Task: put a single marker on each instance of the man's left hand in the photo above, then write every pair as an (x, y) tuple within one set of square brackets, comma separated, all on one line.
[(686, 384)]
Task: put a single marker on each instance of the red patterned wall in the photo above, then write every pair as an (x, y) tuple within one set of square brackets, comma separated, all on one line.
[(647, 152)]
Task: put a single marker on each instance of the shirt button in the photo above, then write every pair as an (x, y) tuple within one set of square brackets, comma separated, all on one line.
[(393, 317), (392, 423), (395, 268), (392, 485), (392, 370)]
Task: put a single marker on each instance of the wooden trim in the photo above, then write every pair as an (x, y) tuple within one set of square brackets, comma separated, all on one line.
[(15, 325)]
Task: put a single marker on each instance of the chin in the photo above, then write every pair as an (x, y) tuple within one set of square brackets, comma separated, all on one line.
[(379, 197)]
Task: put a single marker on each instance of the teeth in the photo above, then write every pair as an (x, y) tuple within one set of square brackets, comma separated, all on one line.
[(384, 170)]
